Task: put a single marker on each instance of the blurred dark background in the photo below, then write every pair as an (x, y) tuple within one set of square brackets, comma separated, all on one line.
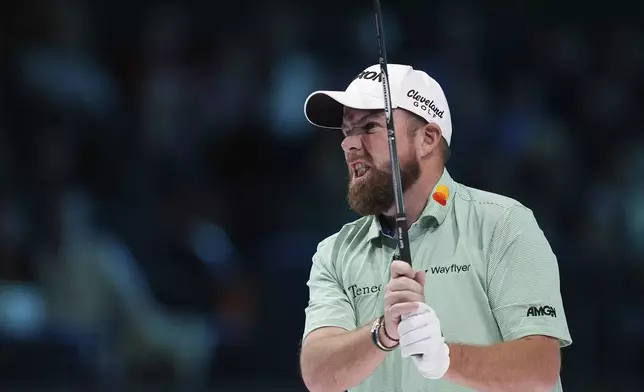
[(162, 193)]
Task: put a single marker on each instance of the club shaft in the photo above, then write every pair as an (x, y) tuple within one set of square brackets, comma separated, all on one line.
[(401, 232)]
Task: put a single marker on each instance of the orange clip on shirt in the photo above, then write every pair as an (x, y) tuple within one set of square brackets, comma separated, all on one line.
[(441, 195)]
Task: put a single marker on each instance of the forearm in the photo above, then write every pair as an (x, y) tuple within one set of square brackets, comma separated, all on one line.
[(522, 365), (340, 362)]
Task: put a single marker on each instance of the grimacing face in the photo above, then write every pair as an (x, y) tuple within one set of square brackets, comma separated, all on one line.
[(366, 149)]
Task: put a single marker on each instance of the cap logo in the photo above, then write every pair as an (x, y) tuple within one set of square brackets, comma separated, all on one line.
[(369, 75), (425, 104)]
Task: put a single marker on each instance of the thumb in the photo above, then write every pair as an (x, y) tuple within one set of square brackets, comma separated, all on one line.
[(420, 277)]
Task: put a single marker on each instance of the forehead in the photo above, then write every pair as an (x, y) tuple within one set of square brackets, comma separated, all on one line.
[(352, 116)]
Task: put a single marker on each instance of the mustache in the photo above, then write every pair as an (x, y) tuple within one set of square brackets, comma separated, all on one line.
[(351, 157)]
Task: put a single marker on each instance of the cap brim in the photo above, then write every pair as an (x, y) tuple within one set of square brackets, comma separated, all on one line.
[(325, 109)]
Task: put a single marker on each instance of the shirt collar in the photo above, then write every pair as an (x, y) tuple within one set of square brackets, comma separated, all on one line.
[(435, 210)]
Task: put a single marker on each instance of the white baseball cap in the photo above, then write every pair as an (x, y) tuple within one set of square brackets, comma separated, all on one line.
[(411, 89)]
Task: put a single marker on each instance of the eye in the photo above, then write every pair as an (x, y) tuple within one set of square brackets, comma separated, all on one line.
[(371, 126)]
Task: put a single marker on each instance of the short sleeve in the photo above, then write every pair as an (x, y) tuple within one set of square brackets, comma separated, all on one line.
[(329, 304), (523, 280)]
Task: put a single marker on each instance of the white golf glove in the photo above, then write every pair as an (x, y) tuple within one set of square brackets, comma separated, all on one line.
[(422, 340)]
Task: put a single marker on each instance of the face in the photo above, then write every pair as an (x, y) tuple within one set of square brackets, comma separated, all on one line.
[(366, 151)]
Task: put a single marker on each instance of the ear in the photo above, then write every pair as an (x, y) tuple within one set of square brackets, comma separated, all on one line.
[(431, 136)]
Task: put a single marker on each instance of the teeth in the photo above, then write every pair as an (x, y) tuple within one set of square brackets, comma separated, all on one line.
[(360, 169)]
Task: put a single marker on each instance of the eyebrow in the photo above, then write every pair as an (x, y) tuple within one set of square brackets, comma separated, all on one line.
[(359, 120)]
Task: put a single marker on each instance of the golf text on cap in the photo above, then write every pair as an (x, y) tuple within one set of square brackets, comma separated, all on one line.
[(370, 75), (425, 104)]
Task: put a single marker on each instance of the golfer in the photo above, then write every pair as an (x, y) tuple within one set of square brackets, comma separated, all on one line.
[(480, 308)]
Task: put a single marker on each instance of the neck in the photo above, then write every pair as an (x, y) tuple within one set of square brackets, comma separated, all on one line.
[(416, 197)]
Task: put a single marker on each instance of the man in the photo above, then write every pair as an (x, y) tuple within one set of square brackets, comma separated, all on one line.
[(481, 308)]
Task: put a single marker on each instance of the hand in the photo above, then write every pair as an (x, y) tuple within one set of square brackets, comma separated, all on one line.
[(422, 340), (403, 293)]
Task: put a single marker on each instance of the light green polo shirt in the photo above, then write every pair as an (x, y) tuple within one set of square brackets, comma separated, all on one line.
[(491, 277)]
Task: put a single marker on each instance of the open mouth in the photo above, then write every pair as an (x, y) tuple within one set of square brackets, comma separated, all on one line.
[(359, 169)]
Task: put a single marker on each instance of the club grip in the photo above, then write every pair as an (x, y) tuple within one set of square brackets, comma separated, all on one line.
[(402, 236)]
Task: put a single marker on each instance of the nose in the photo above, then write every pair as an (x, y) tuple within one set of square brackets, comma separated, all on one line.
[(351, 142)]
